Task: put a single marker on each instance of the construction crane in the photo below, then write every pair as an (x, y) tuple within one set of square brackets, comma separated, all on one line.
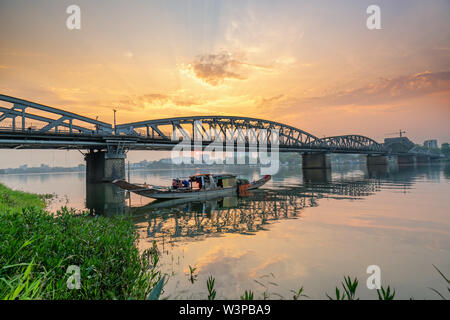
[(400, 132)]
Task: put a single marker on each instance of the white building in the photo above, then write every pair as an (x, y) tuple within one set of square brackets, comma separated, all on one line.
[(431, 144)]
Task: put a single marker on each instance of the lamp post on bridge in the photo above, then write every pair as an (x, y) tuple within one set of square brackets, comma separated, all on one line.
[(115, 130)]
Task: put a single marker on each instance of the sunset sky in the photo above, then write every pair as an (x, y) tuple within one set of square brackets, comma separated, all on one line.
[(310, 64)]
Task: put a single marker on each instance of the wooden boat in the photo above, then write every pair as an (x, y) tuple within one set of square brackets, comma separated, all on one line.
[(198, 187), (259, 183)]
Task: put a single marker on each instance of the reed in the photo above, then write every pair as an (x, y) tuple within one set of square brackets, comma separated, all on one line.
[(210, 286)]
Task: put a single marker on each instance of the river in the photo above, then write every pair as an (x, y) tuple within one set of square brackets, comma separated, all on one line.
[(307, 229)]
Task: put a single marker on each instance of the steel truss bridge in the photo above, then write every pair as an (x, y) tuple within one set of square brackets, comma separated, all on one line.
[(29, 125)]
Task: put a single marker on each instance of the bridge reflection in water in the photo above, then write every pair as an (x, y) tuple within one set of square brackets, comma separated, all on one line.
[(178, 220)]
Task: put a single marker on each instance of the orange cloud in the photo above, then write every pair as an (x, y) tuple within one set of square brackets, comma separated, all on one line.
[(159, 99), (388, 90), (215, 68)]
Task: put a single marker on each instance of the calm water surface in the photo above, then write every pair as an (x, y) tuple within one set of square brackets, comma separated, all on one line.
[(302, 229)]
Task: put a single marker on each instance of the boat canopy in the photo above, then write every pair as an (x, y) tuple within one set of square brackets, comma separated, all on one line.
[(217, 176)]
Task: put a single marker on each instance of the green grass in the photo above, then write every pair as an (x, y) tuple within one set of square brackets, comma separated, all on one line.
[(36, 249), (11, 199)]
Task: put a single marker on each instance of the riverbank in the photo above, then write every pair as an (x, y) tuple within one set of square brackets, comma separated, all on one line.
[(68, 255)]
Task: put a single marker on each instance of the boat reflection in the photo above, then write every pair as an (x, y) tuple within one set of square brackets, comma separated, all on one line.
[(184, 220), (177, 221)]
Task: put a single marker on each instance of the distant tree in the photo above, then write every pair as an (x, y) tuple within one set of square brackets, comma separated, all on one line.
[(445, 149)]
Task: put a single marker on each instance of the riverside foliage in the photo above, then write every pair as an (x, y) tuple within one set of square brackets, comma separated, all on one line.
[(36, 249)]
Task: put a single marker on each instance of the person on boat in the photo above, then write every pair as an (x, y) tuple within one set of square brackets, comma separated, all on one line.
[(212, 183), (177, 184)]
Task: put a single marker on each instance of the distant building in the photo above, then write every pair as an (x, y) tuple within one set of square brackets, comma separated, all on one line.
[(398, 144), (431, 144), (401, 140)]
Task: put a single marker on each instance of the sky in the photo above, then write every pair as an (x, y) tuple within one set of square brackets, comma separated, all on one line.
[(311, 64)]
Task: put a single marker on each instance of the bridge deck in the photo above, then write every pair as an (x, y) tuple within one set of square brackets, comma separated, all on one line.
[(83, 141)]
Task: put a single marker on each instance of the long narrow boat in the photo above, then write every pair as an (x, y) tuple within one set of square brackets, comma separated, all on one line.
[(198, 187)]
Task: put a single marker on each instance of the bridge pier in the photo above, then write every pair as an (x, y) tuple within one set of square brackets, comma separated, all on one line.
[(377, 160), (105, 198), (406, 160), (422, 159), (316, 175), (316, 161), (102, 166)]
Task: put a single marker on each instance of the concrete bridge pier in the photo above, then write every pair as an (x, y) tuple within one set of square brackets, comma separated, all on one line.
[(406, 160), (102, 166), (316, 175), (377, 160), (422, 159), (316, 161), (105, 199)]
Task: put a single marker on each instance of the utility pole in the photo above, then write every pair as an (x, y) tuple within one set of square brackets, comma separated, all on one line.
[(115, 129)]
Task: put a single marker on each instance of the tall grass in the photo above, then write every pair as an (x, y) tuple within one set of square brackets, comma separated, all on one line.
[(36, 249)]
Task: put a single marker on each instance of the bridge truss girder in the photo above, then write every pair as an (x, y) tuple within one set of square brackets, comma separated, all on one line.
[(223, 128), (164, 133), (63, 118), (350, 143)]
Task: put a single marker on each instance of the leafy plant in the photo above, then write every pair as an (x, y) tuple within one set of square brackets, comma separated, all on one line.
[(21, 286), (210, 286), (298, 294), (385, 294), (349, 290), (350, 287), (248, 295), (338, 295), (192, 275)]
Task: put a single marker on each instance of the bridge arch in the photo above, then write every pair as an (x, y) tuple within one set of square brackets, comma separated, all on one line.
[(349, 143), (289, 136)]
